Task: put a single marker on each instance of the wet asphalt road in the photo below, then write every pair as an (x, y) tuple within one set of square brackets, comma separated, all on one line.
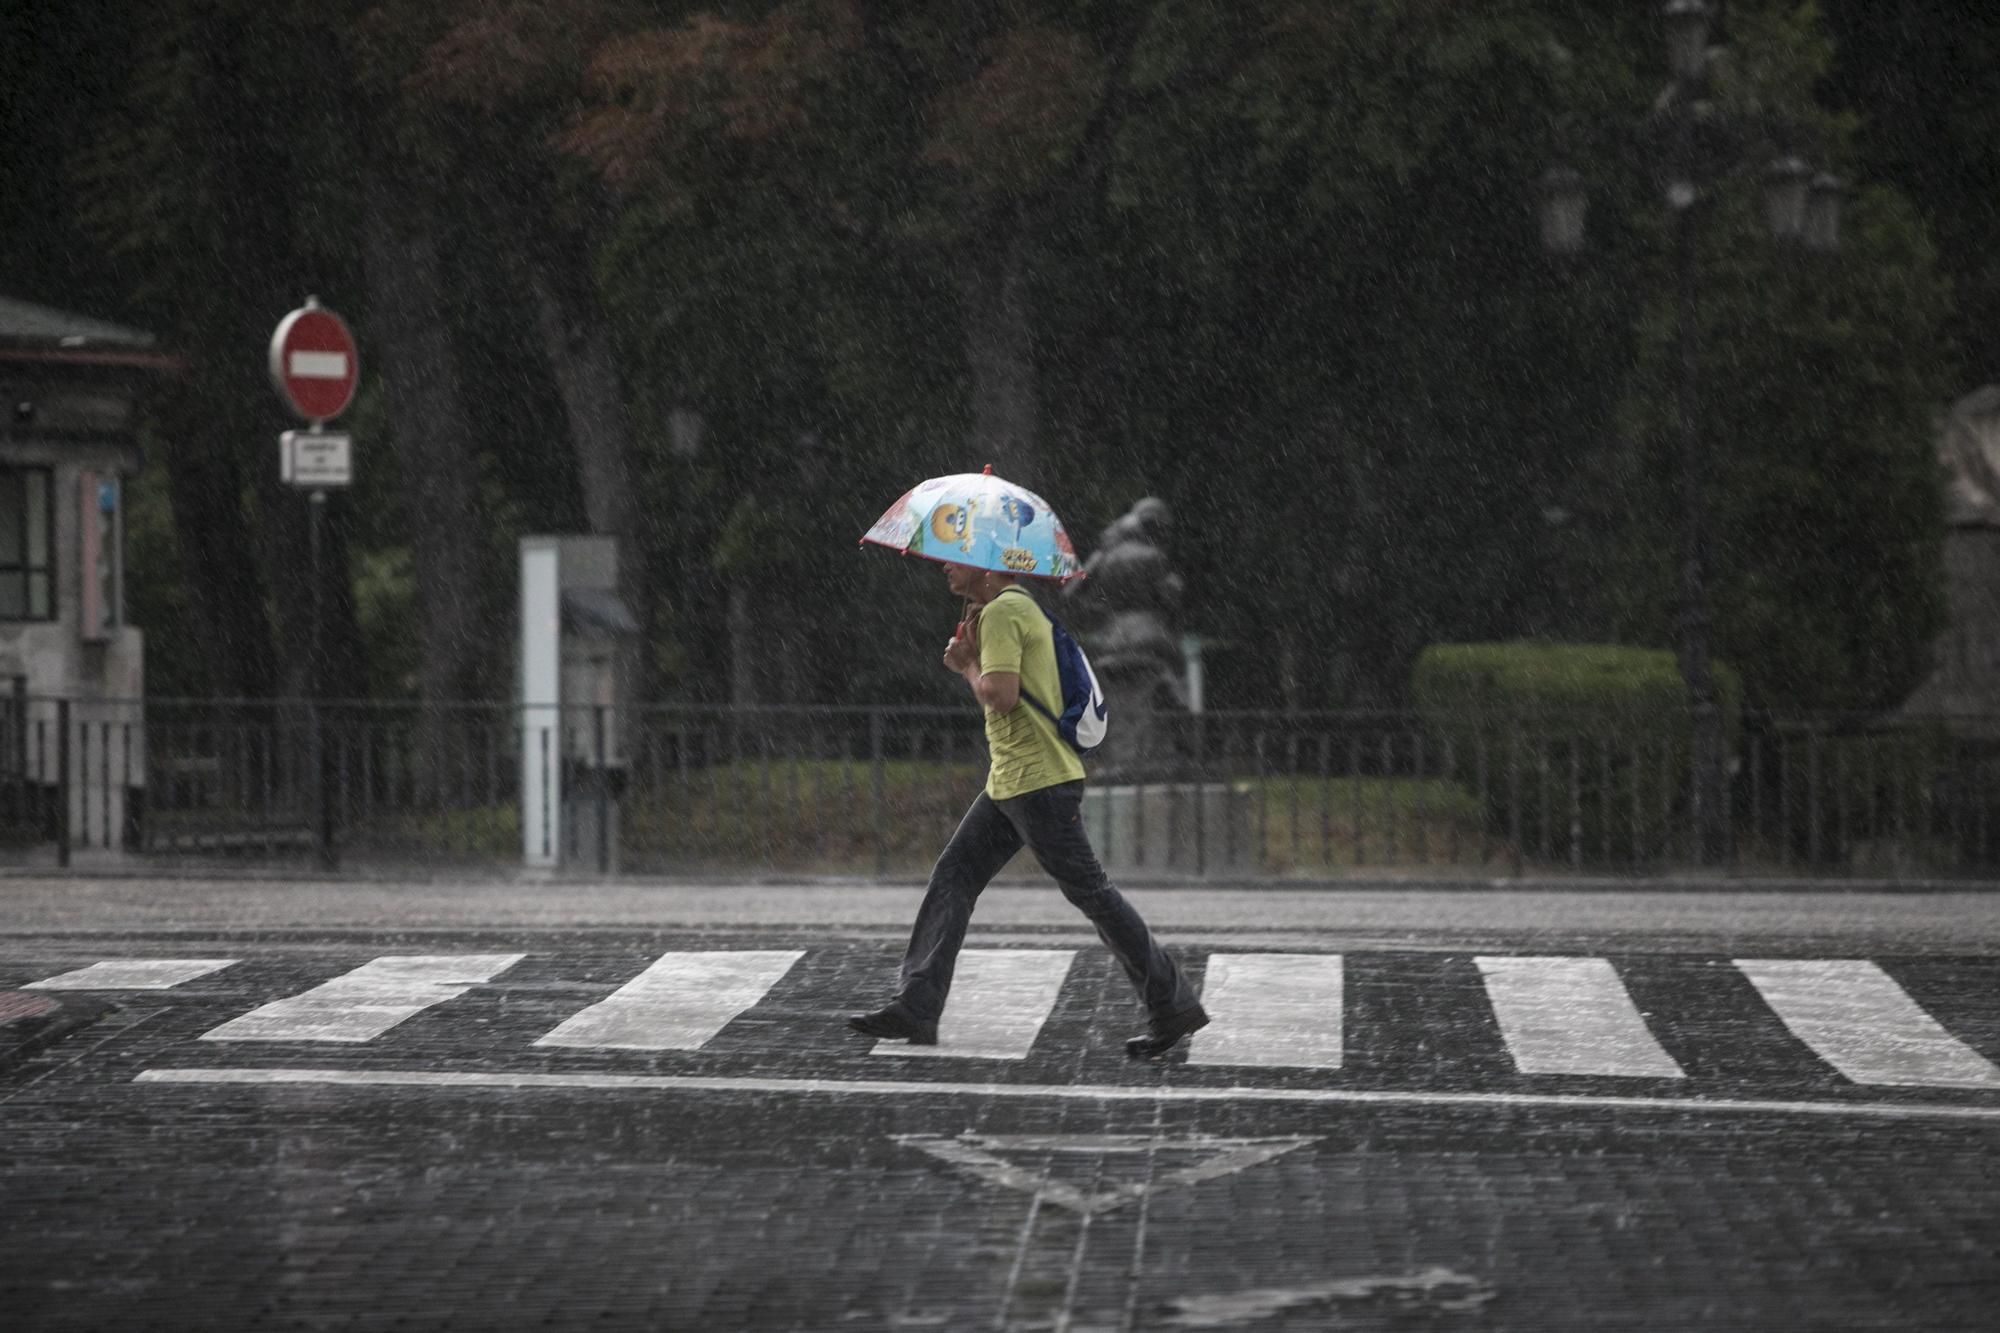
[(449, 1171)]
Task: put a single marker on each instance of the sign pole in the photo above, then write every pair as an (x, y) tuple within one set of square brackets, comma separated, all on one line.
[(323, 834), (315, 367)]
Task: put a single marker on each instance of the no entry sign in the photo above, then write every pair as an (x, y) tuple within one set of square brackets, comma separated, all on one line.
[(313, 362)]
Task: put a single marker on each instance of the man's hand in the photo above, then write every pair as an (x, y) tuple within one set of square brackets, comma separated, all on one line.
[(963, 650)]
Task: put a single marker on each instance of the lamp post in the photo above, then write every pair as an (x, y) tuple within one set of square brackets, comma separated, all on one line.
[(1800, 208)]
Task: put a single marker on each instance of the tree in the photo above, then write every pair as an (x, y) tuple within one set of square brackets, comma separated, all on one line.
[(1821, 378), (501, 78), (222, 243)]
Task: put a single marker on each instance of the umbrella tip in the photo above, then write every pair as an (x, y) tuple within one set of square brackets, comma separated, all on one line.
[(988, 471)]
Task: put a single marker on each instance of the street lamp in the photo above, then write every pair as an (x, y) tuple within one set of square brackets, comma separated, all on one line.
[(1799, 208)]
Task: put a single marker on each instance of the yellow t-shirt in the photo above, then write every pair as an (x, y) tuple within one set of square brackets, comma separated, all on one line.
[(1027, 752)]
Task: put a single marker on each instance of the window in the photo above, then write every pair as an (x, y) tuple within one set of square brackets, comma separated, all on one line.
[(27, 544)]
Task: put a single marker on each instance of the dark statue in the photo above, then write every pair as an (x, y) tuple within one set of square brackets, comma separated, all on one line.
[(1127, 611)]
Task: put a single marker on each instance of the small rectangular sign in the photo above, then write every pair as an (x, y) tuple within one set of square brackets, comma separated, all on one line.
[(316, 459)]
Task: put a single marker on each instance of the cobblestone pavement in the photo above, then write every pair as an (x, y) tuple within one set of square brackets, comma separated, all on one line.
[(1410, 1155)]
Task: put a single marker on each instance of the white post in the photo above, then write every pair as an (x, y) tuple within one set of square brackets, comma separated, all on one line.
[(1191, 655), (541, 702)]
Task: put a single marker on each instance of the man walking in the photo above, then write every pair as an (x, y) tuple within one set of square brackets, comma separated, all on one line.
[(1005, 650)]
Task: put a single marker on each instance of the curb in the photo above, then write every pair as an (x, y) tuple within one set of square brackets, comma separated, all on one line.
[(514, 876), (31, 1022)]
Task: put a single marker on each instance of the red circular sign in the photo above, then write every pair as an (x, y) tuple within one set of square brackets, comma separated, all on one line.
[(314, 363)]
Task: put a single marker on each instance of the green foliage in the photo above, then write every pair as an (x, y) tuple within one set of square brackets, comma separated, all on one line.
[(1576, 746), (156, 588), (1817, 411), (1886, 802), (385, 604), (1593, 689), (1283, 271)]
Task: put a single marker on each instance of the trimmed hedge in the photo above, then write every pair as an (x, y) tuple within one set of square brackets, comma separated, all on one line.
[(1581, 749)]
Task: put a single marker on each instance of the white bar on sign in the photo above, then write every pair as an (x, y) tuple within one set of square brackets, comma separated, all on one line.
[(319, 365), (363, 1004), (1857, 1019), (999, 1000), (678, 1003), (1274, 1010), (133, 974), (1571, 1016)]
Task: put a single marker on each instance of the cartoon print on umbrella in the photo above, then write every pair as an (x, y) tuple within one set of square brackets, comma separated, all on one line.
[(953, 518)]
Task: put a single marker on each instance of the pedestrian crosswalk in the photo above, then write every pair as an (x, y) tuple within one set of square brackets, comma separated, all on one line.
[(1274, 1010), (363, 1004), (1571, 1016), (133, 974), (999, 1000), (1862, 1023), (1559, 1015), (678, 1003)]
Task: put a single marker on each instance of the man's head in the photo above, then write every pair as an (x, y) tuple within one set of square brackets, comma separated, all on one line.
[(974, 584)]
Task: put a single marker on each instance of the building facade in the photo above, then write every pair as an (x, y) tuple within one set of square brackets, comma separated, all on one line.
[(71, 666)]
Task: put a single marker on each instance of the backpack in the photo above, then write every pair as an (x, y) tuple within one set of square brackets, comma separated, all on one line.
[(1082, 721)]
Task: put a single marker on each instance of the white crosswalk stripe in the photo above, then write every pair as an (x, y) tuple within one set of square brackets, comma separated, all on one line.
[(1857, 1019), (678, 1003), (133, 974), (1273, 1010), (363, 1004), (1571, 1016), (999, 1000)]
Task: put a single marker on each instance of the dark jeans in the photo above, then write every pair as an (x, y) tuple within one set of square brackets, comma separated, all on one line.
[(1050, 823)]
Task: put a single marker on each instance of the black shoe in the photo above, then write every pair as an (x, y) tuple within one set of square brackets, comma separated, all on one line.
[(897, 1024), (1163, 1034)]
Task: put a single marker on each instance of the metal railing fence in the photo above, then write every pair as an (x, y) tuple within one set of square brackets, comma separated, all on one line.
[(876, 790)]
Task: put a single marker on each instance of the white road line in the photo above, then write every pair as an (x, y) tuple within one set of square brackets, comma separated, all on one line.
[(363, 1004), (1857, 1019), (678, 1003), (419, 1078), (999, 1000), (133, 974), (1271, 1010), (1571, 1016)]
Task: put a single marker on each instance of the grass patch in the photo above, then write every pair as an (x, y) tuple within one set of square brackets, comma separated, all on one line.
[(1331, 825), (807, 816)]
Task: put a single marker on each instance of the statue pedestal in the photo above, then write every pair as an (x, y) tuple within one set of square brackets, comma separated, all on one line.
[(1184, 828)]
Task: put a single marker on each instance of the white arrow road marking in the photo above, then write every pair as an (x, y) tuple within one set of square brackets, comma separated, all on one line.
[(1272, 1010), (1024, 1161), (679, 1002), (1571, 1016), (365, 1003), (133, 974), (319, 365), (999, 1000), (1861, 1022)]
